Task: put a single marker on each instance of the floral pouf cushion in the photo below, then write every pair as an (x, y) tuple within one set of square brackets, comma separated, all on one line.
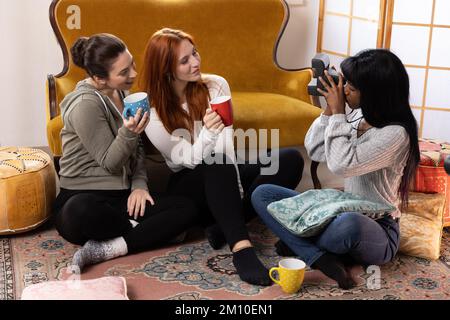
[(431, 176)]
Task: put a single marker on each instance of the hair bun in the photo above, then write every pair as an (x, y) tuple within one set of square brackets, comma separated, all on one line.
[(78, 51)]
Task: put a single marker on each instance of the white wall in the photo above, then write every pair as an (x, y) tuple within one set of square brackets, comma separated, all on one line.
[(298, 44), (29, 51), (27, 55)]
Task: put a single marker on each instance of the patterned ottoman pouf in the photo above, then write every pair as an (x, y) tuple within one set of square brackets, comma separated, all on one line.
[(431, 175), (27, 189)]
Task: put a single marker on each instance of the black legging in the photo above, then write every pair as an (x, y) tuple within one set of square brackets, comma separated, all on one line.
[(214, 189), (82, 215)]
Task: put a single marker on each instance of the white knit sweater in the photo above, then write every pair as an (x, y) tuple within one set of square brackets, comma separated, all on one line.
[(179, 153), (371, 164)]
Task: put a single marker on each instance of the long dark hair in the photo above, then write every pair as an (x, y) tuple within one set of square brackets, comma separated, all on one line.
[(383, 82), (97, 53)]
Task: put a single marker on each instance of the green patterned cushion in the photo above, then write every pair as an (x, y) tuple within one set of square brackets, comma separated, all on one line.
[(309, 212)]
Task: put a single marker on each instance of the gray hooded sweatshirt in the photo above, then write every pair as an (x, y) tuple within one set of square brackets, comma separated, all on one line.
[(99, 153)]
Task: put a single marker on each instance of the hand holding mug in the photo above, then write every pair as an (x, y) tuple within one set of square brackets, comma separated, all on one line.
[(136, 112), (222, 105), (213, 121), (137, 123)]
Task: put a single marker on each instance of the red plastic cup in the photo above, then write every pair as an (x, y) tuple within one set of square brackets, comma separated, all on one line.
[(222, 105)]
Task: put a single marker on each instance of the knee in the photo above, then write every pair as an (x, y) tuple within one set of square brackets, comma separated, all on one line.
[(292, 158), (78, 205), (361, 235), (75, 217), (259, 194), (291, 165), (261, 198), (88, 210), (187, 207), (268, 193), (359, 228), (351, 224)]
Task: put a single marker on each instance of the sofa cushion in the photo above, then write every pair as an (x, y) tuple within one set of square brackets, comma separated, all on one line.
[(421, 225), (252, 110), (106, 288), (306, 214), (293, 117)]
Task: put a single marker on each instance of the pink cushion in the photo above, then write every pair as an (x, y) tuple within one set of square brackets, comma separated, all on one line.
[(106, 288)]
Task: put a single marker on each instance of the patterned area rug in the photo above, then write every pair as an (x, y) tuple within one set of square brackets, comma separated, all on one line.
[(6, 271), (193, 271)]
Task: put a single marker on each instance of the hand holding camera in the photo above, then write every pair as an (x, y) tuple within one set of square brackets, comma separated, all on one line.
[(321, 63), (334, 94)]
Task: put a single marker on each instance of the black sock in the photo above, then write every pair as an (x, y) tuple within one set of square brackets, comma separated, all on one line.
[(250, 268), (215, 237), (348, 261), (330, 265), (283, 250)]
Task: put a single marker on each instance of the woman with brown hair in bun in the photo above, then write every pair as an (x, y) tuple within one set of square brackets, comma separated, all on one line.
[(104, 203)]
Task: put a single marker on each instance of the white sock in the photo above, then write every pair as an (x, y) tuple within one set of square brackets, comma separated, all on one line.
[(97, 251), (115, 248), (134, 223)]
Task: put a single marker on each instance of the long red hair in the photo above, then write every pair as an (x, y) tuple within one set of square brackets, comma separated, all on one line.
[(160, 63)]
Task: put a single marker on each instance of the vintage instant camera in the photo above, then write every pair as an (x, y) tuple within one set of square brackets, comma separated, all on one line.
[(319, 64)]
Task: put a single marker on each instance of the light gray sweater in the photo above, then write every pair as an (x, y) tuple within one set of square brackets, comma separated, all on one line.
[(372, 164)]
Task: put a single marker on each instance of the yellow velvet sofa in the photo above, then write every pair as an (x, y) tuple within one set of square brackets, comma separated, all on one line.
[(237, 39)]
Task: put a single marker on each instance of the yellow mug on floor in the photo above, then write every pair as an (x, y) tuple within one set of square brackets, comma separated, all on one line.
[(291, 273)]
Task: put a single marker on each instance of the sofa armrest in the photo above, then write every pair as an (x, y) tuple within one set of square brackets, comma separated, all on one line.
[(56, 89)]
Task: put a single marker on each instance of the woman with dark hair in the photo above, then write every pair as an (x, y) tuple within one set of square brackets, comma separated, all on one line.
[(103, 202), (377, 158), (199, 149)]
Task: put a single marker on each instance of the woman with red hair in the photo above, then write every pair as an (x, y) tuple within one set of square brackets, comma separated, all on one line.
[(199, 149)]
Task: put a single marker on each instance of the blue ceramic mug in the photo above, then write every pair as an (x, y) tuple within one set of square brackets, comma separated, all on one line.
[(133, 102)]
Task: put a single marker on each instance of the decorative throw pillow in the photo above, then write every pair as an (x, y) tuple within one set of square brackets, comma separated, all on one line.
[(309, 212), (421, 225), (106, 288)]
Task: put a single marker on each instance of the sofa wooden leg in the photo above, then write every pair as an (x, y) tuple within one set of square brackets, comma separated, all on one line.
[(315, 178), (56, 163)]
